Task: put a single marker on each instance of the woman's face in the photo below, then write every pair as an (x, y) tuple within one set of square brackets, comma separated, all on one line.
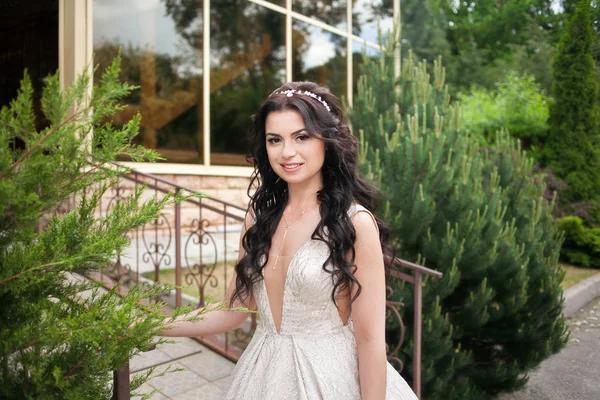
[(295, 156)]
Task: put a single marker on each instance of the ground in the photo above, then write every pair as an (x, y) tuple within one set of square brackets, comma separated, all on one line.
[(574, 373)]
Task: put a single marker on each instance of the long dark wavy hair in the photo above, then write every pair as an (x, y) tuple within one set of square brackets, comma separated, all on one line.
[(342, 186)]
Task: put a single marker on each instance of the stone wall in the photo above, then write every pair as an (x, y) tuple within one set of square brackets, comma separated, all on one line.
[(230, 189)]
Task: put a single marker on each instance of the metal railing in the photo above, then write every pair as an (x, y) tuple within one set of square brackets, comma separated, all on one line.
[(393, 312), (195, 244)]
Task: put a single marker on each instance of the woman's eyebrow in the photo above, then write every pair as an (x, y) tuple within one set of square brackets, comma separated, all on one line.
[(293, 133)]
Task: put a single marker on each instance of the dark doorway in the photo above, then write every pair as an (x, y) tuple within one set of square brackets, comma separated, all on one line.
[(28, 40)]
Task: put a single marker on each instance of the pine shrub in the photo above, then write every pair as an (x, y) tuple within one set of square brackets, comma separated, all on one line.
[(476, 214)]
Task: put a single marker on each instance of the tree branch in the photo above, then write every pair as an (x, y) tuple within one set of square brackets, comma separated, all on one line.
[(10, 278), (70, 373), (38, 144)]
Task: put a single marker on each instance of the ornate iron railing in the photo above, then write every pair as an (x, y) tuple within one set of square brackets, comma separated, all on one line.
[(195, 244), (192, 244)]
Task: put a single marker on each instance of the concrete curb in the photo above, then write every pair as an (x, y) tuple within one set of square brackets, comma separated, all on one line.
[(581, 294)]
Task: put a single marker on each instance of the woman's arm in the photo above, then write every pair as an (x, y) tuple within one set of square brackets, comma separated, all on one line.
[(219, 321), (368, 310)]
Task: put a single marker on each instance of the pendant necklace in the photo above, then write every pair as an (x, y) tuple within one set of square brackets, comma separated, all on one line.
[(279, 256)]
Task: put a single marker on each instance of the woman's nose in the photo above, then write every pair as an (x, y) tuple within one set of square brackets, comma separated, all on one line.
[(289, 150)]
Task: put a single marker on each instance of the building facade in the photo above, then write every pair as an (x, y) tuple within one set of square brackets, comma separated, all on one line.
[(202, 67)]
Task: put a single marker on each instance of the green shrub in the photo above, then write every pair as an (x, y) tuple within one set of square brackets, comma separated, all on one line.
[(476, 214), (582, 244), (518, 104), (54, 343), (572, 148)]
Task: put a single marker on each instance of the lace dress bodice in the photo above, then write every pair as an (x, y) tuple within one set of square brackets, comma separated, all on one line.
[(307, 305), (314, 354)]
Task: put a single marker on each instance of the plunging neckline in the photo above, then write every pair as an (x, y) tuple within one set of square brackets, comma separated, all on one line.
[(285, 284)]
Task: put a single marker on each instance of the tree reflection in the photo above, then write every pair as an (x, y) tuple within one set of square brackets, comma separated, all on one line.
[(247, 49), (247, 59), (164, 99)]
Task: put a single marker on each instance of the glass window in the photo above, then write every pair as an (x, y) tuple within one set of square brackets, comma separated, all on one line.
[(29, 32), (330, 12), (162, 49), (319, 56), (368, 15), (161, 44), (247, 64)]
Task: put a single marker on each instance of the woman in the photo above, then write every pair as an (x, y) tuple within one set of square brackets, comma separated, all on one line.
[(311, 261)]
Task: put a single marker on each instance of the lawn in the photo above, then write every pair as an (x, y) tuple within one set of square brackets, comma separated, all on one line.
[(211, 293), (576, 274)]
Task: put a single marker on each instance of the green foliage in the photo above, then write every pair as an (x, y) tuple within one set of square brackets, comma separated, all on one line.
[(481, 40), (572, 149), (476, 214), (56, 342), (582, 244), (517, 104)]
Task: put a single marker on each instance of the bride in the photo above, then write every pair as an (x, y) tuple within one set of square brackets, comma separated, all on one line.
[(312, 261)]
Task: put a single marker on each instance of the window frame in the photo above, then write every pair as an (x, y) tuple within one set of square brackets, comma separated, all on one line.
[(76, 48)]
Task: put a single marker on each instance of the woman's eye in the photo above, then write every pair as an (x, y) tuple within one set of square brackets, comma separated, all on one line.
[(273, 140), (302, 137)]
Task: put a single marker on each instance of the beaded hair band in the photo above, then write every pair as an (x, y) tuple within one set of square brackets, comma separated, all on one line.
[(291, 92)]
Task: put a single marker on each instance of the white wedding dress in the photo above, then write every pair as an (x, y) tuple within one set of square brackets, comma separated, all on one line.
[(314, 355)]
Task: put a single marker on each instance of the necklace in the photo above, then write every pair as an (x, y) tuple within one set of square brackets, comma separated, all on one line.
[(287, 225)]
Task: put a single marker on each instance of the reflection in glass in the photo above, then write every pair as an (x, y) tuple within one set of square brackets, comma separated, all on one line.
[(161, 52), (368, 15), (330, 12), (319, 56), (29, 32), (247, 64)]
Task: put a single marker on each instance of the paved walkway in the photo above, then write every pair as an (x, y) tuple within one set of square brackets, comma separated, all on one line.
[(204, 377), (574, 373)]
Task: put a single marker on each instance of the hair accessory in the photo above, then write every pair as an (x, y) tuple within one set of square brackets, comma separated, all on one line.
[(291, 92)]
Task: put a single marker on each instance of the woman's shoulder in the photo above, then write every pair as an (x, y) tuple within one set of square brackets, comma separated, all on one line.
[(355, 208), (362, 218)]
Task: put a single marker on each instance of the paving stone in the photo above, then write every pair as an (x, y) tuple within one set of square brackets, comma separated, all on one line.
[(208, 365), (174, 383), (181, 348), (147, 359), (222, 383), (146, 388), (205, 392)]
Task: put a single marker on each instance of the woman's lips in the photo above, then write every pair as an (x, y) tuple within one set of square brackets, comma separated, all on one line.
[(291, 167)]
